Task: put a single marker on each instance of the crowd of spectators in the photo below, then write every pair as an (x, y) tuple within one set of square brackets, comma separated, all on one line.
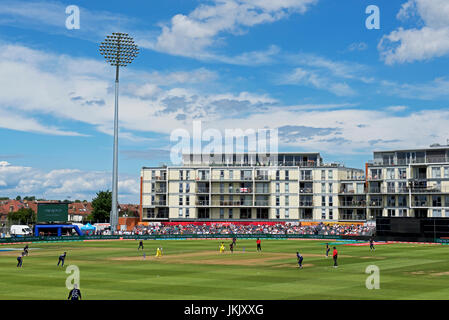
[(218, 228)]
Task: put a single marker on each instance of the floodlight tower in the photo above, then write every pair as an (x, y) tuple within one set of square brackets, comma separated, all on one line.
[(119, 50)]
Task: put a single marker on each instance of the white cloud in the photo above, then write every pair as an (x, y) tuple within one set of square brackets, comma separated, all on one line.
[(429, 41), (195, 34), (63, 183)]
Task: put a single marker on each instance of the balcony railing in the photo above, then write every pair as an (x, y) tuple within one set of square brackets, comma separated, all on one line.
[(306, 177), (375, 203), (161, 191), (262, 178), (202, 190), (306, 203), (202, 203), (353, 204), (160, 203), (262, 203), (306, 190), (420, 204)]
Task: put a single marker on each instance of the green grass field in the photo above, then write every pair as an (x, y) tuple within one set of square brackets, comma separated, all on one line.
[(195, 270)]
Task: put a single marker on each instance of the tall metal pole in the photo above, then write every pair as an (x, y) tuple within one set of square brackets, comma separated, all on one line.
[(119, 50), (114, 214)]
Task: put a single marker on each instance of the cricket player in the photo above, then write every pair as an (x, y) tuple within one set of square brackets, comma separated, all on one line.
[(371, 244), (231, 247), (158, 253), (300, 258), (19, 261), (25, 250), (222, 248), (327, 250), (62, 258), (258, 242), (140, 245), (335, 256), (75, 293)]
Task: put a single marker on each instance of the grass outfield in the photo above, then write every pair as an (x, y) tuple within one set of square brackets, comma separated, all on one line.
[(194, 269)]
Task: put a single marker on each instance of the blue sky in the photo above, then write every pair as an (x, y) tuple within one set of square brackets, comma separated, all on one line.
[(308, 68)]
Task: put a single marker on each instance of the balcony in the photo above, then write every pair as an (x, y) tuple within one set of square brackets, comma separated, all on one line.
[(161, 190), (262, 178), (306, 203), (261, 203), (437, 159), (306, 190), (202, 190), (375, 203), (306, 177), (353, 204), (420, 203), (160, 203), (202, 203)]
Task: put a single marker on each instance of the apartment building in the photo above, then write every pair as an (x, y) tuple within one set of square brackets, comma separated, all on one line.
[(409, 183), (288, 186)]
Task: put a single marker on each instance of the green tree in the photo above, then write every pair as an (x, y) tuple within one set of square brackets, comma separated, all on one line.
[(101, 206), (18, 198), (22, 216)]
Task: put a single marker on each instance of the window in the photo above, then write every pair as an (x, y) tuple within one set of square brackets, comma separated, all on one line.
[(230, 188), (187, 177), (277, 201), (436, 213), (323, 174), (278, 215), (187, 187), (323, 188), (277, 187), (323, 201), (221, 213), (221, 187), (331, 214), (187, 212), (330, 187), (277, 175), (436, 172), (390, 173), (402, 212), (187, 200), (230, 214), (331, 202), (446, 172), (180, 200), (221, 174), (231, 174), (181, 175), (391, 212), (152, 199), (180, 188), (287, 188), (153, 187), (287, 201), (390, 187), (402, 173), (180, 212), (286, 175), (287, 214), (330, 174), (323, 214), (436, 201)]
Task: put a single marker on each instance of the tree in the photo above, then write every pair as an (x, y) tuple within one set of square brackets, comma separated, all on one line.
[(101, 206), (18, 198), (22, 216)]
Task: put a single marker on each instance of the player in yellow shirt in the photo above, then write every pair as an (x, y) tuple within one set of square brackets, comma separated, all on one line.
[(222, 247), (158, 253)]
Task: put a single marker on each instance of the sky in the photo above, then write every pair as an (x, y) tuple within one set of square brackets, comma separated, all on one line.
[(311, 69)]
